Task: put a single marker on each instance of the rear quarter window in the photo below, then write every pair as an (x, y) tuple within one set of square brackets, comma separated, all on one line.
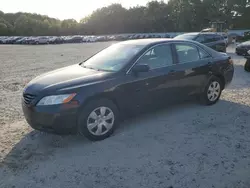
[(218, 37), (213, 38), (203, 54)]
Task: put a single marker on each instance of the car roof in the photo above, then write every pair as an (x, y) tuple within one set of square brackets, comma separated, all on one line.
[(194, 33), (144, 41), (203, 33), (152, 41)]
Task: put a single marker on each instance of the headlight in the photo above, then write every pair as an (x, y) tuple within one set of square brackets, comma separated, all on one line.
[(56, 99)]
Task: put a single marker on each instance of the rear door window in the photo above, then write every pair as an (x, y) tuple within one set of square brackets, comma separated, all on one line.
[(212, 38), (217, 38), (209, 38), (200, 39), (187, 53), (157, 57)]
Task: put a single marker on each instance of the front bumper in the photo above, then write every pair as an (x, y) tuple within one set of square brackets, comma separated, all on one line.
[(53, 119)]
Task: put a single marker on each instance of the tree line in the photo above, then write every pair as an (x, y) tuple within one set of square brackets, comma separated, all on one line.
[(174, 16)]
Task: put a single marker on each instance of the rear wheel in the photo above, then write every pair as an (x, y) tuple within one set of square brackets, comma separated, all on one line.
[(98, 119), (212, 91)]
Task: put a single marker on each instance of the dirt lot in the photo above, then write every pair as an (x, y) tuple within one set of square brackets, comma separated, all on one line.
[(183, 146)]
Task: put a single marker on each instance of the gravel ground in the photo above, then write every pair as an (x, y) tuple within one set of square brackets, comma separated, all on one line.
[(182, 146)]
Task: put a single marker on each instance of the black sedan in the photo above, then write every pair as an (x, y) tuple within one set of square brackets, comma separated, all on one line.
[(243, 48), (247, 64), (125, 78), (213, 40)]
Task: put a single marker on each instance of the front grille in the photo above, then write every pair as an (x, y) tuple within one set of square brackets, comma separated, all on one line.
[(28, 98)]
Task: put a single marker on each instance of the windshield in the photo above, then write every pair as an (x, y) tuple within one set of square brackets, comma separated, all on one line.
[(113, 58), (186, 37)]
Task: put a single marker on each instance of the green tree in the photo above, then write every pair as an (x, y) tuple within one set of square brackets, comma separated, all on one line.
[(3, 29), (156, 16)]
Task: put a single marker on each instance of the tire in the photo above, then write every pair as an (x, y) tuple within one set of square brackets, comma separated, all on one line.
[(92, 123), (211, 96), (247, 66)]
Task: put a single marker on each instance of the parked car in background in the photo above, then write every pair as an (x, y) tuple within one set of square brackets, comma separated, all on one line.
[(212, 40), (38, 40), (242, 48), (11, 40), (90, 39), (56, 40), (73, 39), (21, 40), (166, 36), (28, 40), (4, 40), (101, 38), (247, 64), (125, 78), (1, 40)]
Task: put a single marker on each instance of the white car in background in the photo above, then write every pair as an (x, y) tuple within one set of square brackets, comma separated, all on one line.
[(90, 39), (40, 40)]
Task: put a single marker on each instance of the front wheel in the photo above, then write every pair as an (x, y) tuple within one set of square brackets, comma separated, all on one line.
[(212, 91), (98, 119)]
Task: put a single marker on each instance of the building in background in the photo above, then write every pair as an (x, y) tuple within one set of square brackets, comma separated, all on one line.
[(218, 25)]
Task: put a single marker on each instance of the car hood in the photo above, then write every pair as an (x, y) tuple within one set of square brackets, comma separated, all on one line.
[(66, 78), (247, 43)]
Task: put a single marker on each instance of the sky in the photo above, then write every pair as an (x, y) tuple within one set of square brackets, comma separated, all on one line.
[(63, 9)]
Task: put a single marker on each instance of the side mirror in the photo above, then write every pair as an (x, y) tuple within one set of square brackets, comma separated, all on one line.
[(248, 52), (140, 68)]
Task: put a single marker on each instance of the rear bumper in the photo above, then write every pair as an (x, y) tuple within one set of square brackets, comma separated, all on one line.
[(53, 119)]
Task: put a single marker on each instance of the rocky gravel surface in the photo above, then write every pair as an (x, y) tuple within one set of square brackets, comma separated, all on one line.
[(182, 146)]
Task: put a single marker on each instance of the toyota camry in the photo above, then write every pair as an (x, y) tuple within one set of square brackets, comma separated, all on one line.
[(90, 98)]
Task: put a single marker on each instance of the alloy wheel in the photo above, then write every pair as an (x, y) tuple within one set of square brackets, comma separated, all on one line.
[(213, 91), (100, 121)]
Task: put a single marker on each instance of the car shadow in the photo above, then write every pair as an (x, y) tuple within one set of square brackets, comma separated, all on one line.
[(38, 146), (162, 125)]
